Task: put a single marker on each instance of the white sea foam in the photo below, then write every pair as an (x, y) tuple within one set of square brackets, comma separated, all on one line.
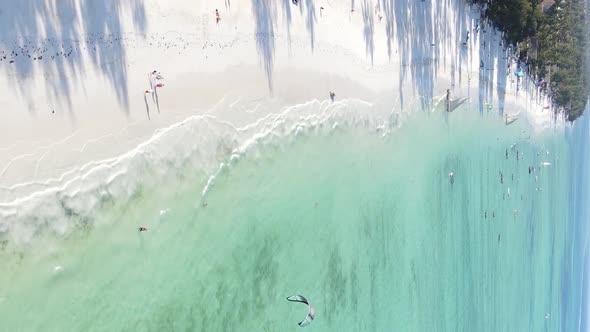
[(56, 206)]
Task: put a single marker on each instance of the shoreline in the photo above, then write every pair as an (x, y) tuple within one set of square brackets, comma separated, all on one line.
[(256, 62), (57, 207)]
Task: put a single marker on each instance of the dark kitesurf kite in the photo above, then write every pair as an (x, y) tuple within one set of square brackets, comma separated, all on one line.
[(310, 311)]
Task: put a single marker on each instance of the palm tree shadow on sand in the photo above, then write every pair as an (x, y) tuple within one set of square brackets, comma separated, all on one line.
[(147, 107), (157, 100)]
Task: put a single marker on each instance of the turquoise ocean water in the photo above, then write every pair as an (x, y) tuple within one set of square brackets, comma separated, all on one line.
[(369, 228)]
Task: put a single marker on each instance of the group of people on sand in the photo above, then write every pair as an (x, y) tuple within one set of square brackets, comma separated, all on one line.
[(217, 17), (155, 76)]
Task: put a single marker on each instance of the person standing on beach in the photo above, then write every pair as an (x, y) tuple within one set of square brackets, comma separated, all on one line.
[(448, 101), (217, 18)]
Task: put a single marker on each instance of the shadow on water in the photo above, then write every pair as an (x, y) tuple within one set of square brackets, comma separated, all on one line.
[(335, 286), (61, 37)]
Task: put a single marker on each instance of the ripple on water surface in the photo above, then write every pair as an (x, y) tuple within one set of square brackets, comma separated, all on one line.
[(368, 228)]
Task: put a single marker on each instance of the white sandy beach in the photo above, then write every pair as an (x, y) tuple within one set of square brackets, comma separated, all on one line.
[(89, 62)]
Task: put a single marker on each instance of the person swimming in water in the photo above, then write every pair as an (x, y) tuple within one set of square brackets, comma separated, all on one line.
[(143, 229)]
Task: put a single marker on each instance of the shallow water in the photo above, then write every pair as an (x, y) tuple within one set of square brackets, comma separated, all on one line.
[(369, 228)]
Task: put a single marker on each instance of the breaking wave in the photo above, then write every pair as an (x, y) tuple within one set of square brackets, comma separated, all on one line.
[(202, 144)]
